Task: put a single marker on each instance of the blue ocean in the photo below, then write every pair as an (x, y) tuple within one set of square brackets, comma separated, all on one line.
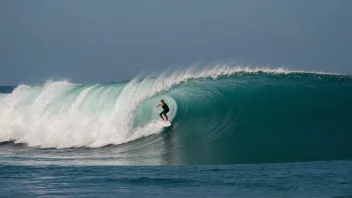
[(236, 132)]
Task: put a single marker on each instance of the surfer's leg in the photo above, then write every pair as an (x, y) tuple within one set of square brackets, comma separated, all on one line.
[(167, 119), (161, 115)]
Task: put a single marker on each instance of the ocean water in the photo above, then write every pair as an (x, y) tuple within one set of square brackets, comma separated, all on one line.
[(313, 179), (236, 132)]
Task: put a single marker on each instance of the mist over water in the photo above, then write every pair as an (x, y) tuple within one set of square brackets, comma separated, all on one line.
[(220, 115)]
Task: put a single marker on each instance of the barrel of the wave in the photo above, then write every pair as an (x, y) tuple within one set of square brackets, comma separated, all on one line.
[(261, 117)]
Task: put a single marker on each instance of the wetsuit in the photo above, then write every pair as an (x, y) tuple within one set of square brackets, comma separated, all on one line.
[(166, 109)]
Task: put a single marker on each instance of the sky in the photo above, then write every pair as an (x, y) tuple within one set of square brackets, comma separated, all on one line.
[(88, 41)]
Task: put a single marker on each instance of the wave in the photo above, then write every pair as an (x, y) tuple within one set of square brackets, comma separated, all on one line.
[(219, 115)]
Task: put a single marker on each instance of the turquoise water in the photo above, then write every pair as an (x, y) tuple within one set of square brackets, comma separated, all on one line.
[(235, 133), (313, 179)]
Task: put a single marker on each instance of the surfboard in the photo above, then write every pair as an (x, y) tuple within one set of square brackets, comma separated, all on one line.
[(166, 124)]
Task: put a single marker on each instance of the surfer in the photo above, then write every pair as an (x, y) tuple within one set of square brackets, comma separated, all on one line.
[(166, 109)]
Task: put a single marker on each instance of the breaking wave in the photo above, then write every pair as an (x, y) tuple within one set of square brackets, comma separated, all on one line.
[(219, 115)]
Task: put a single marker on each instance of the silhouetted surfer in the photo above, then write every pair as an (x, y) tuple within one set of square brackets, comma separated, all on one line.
[(166, 109)]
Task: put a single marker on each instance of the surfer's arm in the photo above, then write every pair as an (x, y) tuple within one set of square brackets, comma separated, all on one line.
[(158, 106)]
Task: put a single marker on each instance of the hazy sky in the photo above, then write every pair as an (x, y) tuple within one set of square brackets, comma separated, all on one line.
[(113, 40)]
